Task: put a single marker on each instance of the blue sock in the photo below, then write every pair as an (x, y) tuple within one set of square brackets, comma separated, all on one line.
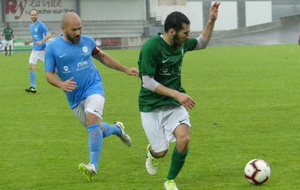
[(32, 79), (110, 129), (95, 144)]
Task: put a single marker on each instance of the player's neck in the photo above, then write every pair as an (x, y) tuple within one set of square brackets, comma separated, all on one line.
[(65, 38), (167, 38)]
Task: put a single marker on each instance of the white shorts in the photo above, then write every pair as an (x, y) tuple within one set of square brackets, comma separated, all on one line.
[(93, 104), (159, 125), (36, 55), (7, 43)]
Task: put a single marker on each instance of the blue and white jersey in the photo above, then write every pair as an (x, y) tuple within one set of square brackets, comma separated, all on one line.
[(38, 32), (75, 60)]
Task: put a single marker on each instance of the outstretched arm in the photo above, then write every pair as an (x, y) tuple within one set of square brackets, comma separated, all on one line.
[(110, 62), (213, 15)]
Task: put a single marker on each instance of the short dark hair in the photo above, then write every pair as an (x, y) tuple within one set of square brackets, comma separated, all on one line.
[(176, 20)]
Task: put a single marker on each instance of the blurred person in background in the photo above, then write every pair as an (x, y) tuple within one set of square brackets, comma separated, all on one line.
[(39, 35), (8, 39)]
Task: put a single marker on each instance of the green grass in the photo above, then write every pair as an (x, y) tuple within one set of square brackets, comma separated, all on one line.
[(247, 106)]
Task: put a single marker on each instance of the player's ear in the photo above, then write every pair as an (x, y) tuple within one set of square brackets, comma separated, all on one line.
[(62, 28), (172, 32)]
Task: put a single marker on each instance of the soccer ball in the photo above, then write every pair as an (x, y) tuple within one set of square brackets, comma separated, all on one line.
[(257, 171)]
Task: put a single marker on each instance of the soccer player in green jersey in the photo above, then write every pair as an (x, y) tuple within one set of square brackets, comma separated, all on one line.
[(9, 38), (163, 103)]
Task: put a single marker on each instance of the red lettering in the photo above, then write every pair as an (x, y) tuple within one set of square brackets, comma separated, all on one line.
[(52, 3), (109, 41), (34, 4), (13, 6)]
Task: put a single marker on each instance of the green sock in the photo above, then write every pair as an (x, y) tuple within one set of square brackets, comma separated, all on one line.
[(177, 162)]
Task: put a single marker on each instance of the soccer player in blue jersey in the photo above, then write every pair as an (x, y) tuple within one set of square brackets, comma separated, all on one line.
[(163, 102), (69, 66), (39, 35)]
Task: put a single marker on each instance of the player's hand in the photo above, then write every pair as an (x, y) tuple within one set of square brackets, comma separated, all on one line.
[(38, 43), (214, 11), (132, 71), (68, 85), (26, 43), (185, 100)]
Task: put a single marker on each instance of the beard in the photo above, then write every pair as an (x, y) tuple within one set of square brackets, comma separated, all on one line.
[(73, 40), (34, 19), (176, 41)]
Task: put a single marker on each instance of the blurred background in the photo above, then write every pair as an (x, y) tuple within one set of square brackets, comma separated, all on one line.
[(116, 24)]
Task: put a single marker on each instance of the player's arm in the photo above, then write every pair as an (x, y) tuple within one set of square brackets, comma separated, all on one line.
[(151, 84), (204, 38), (299, 39), (68, 85), (26, 42), (47, 37), (110, 62), (207, 32)]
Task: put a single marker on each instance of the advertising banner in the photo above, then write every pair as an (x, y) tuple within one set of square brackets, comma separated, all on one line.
[(19, 45), (1, 45), (108, 43), (48, 10)]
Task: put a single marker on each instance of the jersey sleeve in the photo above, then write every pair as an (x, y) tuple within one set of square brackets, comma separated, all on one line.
[(148, 59), (44, 28), (190, 44), (49, 59)]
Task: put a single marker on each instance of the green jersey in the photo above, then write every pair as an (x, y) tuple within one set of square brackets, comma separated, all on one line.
[(163, 62), (8, 33)]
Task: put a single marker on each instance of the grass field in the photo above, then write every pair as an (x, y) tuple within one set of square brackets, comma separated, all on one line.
[(247, 106)]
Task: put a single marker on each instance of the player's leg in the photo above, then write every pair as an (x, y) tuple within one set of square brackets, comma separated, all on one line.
[(5, 43), (95, 141), (9, 53), (180, 125), (108, 129), (117, 129), (158, 147), (90, 118), (10, 43), (33, 59)]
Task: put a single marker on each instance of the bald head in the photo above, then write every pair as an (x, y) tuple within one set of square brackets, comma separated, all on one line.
[(70, 18), (71, 27)]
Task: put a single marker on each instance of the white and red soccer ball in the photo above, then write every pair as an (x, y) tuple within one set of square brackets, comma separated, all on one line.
[(257, 171)]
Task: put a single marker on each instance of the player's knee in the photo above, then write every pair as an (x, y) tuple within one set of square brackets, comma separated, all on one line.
[(160, 154), (92, 119), (183, 143), (183, 139), (31, 67)]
